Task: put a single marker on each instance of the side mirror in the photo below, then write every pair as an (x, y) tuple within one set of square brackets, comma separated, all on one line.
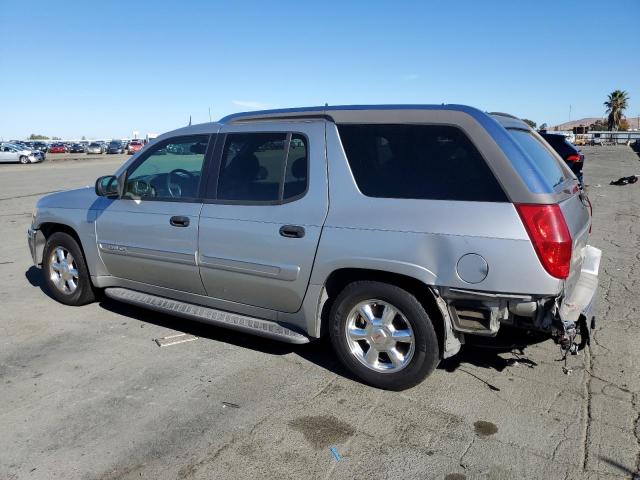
[(107, 186)]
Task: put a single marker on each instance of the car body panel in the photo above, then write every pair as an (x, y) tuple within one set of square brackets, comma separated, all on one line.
[(232, 257), (243, 258)]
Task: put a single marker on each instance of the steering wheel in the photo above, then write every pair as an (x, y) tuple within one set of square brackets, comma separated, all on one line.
[(174, 189)]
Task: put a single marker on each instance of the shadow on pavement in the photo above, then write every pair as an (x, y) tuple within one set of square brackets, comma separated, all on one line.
[(481, 352)]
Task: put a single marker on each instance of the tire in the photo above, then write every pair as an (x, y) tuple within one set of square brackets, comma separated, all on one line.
[(59, 271), (24, 160), (418, 357)]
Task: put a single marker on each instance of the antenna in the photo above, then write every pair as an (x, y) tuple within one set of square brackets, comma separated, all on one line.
[(189, 120)]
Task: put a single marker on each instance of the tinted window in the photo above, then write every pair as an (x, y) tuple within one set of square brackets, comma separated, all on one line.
[(295, 179), (171, 170), (560, 144), (548, 166), (418, 161), (256, 167)]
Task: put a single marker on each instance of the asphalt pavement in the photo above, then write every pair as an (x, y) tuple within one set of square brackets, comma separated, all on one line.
[(86, 392)]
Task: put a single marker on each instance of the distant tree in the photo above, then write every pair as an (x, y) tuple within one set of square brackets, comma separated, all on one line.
[(83, 137), (34, 136), (624, 125), (616, 104), (531, 123), (56, 138), (599, 126), (544, 126)]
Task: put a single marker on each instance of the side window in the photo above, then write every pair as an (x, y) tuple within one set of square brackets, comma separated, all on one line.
[(295, 178), (257, 167), (172, 170), (436, 162)]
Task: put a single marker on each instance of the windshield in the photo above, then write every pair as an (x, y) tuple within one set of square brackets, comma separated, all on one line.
[(547, 164)]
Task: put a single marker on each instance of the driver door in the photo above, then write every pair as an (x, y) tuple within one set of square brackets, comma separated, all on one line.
[(149, 234)]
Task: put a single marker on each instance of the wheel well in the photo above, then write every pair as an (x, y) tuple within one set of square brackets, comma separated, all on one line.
[(339, 279), (49, 229)]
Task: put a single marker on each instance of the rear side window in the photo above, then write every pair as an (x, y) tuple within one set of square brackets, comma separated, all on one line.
[(436, 162), (263, 167), (547, 165)]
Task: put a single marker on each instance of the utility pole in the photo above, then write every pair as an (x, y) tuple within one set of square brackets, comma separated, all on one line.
[(569, 112)]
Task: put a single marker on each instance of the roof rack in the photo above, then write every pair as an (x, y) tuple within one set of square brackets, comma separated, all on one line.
[(326, 111), (502, 114)]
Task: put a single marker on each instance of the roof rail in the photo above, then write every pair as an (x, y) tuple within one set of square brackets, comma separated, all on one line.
[(505, 115)]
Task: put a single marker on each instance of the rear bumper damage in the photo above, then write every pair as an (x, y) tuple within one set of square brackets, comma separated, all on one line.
[(564, 317)]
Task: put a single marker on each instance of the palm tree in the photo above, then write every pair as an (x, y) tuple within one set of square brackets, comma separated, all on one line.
[(616, 103)]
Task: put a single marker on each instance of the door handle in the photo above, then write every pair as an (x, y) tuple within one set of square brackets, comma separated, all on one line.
[(179, 221), (292, 231)]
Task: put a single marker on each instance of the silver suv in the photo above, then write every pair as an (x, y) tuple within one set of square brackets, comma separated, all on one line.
[(398, 231)]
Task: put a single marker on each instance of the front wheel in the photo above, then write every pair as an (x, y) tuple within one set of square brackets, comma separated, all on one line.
[(24, 160), (65, 271), (383, 335)]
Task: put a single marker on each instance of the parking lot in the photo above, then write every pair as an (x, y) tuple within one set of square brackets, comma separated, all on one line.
[(86, 392)]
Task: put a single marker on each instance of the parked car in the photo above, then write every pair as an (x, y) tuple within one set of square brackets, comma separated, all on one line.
[(76, 148), (14, 153), (95, 147), (115, 146), (398, 231), (57, 148), (134, 146), (41, 146), (571, 154)]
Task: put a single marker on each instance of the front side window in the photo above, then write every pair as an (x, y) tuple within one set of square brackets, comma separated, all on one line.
[(172, 170), (435, 162), (263, 167)]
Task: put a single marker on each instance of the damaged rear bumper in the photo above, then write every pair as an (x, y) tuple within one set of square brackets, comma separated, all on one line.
[(582, 299), (565, 316)]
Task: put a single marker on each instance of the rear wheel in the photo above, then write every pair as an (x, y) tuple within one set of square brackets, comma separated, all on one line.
[(383, 335), (65, 270)]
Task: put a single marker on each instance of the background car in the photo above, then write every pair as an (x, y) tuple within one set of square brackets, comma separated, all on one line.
[(571, 154), (76, 148), (95, 148), (57, 148), (115, 146), (15, 153), (41, 146), (134, 146)]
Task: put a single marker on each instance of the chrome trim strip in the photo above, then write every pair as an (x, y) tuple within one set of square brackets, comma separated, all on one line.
[(148, 253), (287, 273)]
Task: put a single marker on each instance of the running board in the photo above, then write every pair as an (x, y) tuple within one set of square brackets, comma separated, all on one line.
[(256, 326)]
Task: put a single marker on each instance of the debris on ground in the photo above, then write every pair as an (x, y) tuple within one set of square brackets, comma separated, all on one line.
[(335, 453), (625, 180), (174, 339), (230, 405)]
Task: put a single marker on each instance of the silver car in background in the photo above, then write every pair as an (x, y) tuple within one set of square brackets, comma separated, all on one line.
[(19, 154), (95, 148), (400, 232)]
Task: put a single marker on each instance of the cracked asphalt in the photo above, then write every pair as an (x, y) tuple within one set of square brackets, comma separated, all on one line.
[(85, 393)]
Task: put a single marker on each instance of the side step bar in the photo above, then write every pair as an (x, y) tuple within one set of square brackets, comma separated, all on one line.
[(255, 326)]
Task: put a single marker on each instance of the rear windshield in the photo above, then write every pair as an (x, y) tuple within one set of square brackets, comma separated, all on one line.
[(436, 162), (546, 164)]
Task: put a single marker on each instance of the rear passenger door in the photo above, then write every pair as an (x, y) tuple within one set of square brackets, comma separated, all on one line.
[(265, 204)]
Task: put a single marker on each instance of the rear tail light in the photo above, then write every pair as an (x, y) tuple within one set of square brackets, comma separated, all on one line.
[(549, 235), (573, 158)]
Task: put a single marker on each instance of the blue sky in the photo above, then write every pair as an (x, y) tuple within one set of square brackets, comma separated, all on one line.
[(72, 68)]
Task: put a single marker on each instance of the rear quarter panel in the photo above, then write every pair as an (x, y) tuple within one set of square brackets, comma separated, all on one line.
[(425, 238)]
